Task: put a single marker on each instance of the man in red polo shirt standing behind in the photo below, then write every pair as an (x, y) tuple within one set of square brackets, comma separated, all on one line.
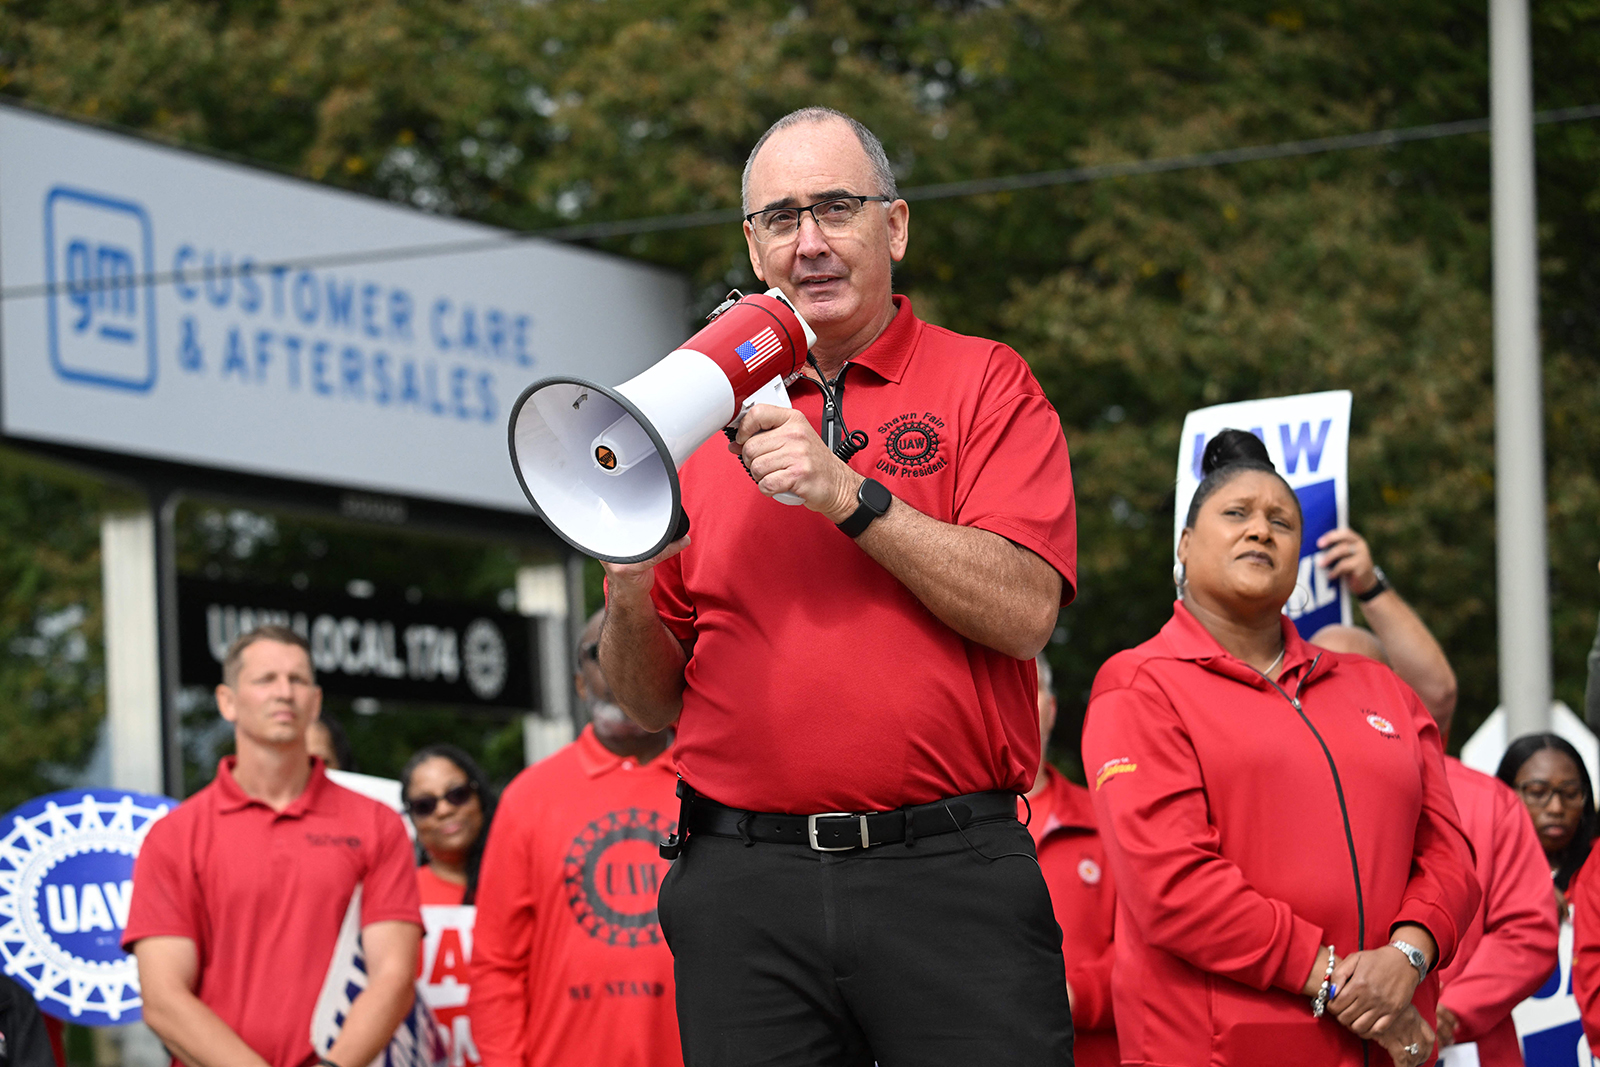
[(239, 894), (852, 680), (569, 968), (1074, 866)]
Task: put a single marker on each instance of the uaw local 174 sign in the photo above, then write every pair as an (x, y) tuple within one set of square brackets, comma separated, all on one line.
[(66, 879), (1308, 439), (388, 649)]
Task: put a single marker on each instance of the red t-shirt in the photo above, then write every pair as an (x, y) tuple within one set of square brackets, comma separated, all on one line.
[(435, 890), (1085, 902), (262, 895), (568, 963), (1509, 949), (817, 681)]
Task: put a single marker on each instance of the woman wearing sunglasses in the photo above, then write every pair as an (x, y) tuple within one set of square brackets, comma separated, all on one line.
[(451, 804)]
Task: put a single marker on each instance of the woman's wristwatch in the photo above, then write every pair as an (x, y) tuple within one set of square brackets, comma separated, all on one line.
[(1413, 956)]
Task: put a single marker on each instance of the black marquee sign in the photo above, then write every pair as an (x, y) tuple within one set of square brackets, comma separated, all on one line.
[(435, 652)]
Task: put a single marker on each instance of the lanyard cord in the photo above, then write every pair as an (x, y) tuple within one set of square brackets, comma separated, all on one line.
[(835, 434)]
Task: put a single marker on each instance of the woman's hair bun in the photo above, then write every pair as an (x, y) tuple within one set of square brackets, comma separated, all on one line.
[(1232, 447)]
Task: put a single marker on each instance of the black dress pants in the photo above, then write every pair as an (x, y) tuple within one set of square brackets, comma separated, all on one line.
[(945, 953)]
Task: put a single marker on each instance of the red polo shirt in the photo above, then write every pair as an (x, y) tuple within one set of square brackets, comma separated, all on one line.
[(818, 682), (1085, 902), (262, 895), (568, 963)]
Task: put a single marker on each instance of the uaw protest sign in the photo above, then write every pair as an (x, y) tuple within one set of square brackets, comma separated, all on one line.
[(1308, 439), (166, 304), (66, 880), (445, 978)]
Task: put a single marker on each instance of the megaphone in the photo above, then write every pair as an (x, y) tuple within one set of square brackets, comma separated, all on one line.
[(601, 464)]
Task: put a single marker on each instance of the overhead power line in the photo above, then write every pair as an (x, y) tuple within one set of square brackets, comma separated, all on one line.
[(594, 231)]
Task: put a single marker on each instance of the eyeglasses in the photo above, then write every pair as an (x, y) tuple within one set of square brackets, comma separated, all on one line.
[(831, 216), (422, 806), (1538, 793)]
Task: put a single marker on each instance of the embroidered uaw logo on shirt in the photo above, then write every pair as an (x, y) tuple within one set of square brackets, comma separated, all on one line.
[(911, 445), (1382, 725), (613, 874)]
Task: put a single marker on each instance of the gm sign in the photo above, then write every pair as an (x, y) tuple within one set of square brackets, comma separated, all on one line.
[(99, 262)]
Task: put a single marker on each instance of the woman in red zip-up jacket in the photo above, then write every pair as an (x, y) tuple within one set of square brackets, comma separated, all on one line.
[(1264, 801)]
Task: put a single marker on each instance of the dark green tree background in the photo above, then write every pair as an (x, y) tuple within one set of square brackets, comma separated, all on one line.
[(1134, 299)]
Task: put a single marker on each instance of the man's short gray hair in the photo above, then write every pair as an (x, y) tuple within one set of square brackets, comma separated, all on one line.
[(882, 173)]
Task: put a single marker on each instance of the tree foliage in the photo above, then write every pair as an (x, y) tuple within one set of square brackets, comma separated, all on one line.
[(52, 662), (1134, 299)]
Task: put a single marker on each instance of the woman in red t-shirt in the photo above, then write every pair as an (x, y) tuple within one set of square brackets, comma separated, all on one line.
[(451, 804)]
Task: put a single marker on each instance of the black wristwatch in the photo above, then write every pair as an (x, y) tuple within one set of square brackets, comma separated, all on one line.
[(872, 500), (1379, 586)]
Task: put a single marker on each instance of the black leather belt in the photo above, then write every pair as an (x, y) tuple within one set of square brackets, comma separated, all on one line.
[(841, 831)]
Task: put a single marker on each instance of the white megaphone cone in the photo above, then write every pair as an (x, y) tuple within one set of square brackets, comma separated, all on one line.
[(601, 464)]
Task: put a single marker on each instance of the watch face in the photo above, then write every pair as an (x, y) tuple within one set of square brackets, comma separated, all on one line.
[(875, 496)]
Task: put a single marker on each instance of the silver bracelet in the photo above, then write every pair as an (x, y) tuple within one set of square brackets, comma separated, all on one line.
[(1319, 1003)]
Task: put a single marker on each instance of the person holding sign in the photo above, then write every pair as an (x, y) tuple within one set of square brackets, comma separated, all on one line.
[(1289, 864), (1398, 637), (239, 895)]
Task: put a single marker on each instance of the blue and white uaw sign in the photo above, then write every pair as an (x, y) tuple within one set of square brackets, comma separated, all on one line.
[(1308, 438), (66, 879)]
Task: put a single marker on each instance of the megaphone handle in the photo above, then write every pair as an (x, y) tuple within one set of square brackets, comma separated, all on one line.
[(771, 393), (682, 529)]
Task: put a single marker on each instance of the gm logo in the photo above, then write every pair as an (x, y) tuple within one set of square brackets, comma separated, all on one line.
[(99, 264)]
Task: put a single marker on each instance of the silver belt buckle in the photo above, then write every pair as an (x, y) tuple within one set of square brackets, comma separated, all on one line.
[(811, 828)]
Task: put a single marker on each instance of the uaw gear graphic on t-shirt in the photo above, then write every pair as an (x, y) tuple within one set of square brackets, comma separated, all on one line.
[(445, 977), (569, 964), (66, 879), (417, 1042), (613, 874)]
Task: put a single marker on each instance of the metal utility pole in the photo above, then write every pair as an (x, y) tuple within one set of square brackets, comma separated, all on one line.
[(1522, 569)]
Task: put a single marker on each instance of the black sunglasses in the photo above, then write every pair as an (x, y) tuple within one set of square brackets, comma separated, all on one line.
[(423, 806)]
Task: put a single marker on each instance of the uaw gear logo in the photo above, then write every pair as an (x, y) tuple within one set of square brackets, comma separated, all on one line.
[(483, 654), (66, 879), (613, 874), (1382, 725), (911, 445)]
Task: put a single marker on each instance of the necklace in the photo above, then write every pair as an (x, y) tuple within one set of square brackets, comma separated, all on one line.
[(1276, 659)]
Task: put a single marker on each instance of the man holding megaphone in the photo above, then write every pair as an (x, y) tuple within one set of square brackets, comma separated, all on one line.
[(852, 682)]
